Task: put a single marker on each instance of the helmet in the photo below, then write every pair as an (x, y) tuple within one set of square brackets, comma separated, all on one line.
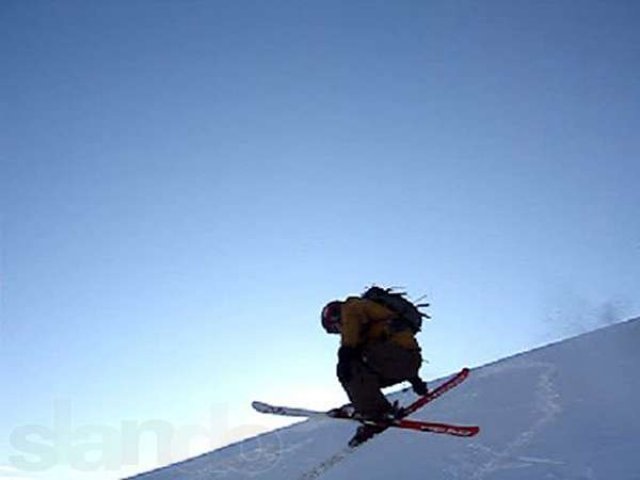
[(331, 316)]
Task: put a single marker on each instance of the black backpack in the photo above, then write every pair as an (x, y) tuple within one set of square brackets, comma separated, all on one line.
[(408, 315)]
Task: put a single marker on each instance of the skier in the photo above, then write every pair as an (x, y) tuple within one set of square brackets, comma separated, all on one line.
[(374, 353)]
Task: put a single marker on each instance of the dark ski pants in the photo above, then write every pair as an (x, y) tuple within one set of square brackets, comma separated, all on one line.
[(381, 365)]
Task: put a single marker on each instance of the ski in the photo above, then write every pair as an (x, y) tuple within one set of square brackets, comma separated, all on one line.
[(440, 390), (288, 411), (379, 427), (454, 381), (403, 422), (457, 430), (443, 388), (436, 427)]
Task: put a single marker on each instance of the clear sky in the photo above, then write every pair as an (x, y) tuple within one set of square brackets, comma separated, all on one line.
[(184, 184)]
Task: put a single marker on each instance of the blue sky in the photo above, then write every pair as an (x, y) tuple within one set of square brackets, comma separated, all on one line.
[(183, 185)]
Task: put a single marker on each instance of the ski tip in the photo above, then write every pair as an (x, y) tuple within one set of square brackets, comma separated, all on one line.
[(473, 432), (258, 405)]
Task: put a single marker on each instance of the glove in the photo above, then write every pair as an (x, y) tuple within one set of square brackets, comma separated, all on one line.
[(345, 357), (419, 386)]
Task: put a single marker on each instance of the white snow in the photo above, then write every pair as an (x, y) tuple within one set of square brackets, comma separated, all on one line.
[(565, 411)]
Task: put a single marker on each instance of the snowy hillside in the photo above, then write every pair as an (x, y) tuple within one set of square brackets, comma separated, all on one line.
[(566, 411)]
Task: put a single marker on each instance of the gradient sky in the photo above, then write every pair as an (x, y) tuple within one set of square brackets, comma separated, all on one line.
[(184, 184)]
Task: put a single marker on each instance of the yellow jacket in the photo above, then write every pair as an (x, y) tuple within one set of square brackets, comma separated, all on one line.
[(365, 322)]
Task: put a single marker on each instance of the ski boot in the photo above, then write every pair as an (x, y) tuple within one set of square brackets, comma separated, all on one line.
[(365, 432), (345, 411), (419, 386), (372, 426)]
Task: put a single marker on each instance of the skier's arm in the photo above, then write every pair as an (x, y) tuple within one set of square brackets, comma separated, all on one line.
[(353, 319), (360, 316)]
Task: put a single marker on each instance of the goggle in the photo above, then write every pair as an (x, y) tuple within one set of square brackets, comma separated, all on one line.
[(331, 313)]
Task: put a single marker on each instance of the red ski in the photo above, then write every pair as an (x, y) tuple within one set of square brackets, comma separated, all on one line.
[(458, 430), (435, 427), (454, 381), (378, 427)]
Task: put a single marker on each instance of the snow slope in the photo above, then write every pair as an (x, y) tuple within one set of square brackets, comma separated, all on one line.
[(565, 411)]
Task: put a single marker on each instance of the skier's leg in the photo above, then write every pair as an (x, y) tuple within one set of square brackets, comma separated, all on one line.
[(363, 389), (393, 363)]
